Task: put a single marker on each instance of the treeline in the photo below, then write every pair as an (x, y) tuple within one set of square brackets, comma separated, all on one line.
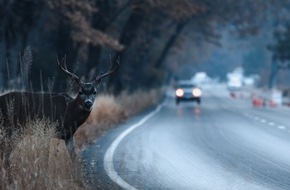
[(145, 35)]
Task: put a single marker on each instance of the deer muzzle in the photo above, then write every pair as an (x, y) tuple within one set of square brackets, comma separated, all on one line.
[(88, 105)]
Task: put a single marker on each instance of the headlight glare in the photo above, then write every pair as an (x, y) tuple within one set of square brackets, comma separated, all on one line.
[(196, 92), (179, 92)]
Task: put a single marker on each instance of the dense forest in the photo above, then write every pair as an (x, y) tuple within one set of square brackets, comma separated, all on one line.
[(146, 36)]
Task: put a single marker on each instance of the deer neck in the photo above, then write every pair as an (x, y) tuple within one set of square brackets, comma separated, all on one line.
[(77, 110), (75, 116)]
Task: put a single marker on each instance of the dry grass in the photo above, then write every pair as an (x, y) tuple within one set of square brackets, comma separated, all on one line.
[(109, 111), (138, 101), (37, 160), (31, 157), (40, 161), (106, 112), (42, 128)]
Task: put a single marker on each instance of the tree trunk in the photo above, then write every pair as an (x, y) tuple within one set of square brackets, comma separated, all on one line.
[(273, 75), (178, 30), (3, 70), (128, 35)]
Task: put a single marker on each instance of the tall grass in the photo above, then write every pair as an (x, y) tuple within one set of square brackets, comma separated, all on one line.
[(32, 158), (37, 160), (138, 101), (40, 161)]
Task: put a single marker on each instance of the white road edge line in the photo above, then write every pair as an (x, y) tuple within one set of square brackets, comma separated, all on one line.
[(108, 158)]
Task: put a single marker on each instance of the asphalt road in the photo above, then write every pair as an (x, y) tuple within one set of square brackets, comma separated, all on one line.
[(223, 144)]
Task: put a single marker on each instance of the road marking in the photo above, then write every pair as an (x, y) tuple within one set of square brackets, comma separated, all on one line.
[(265, 121), (281, 127), (108, 158)]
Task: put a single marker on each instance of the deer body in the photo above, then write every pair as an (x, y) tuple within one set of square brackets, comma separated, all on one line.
[(19, 108), (25, 106)]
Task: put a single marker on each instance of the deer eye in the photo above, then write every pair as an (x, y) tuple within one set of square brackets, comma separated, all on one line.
[(81, 92), (94, 93)]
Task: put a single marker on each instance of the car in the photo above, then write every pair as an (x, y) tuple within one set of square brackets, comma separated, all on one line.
[(187, 91)]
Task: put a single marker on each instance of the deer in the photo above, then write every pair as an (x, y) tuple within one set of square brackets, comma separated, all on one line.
[(19, 107)]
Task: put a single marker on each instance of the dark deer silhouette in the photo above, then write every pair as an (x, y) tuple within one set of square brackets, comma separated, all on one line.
[(18, 108)]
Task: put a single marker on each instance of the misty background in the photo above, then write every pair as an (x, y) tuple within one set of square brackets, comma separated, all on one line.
[(154, 40)]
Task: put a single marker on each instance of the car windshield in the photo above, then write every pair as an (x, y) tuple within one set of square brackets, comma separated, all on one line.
[(185, 85)]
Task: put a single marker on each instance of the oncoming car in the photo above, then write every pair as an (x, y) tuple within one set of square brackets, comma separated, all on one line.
[(187, 91)]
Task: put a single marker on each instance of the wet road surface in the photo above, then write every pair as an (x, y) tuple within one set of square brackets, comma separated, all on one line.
[(222, 144)]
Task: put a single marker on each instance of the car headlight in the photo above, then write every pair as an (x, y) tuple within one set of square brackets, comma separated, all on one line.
[(196, 92), (179, 92)]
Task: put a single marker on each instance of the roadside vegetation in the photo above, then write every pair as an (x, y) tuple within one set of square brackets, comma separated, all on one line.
[(35, 159), (150, 38), (32, 157), (110, 110)]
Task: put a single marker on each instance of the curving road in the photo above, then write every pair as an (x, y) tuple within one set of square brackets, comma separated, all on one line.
[(224, 144)]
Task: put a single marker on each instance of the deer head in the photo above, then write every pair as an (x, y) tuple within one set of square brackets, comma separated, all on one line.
[(86, 90)]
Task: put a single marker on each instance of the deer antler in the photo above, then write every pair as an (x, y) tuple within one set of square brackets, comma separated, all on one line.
[(64, 68), (98, 78)]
